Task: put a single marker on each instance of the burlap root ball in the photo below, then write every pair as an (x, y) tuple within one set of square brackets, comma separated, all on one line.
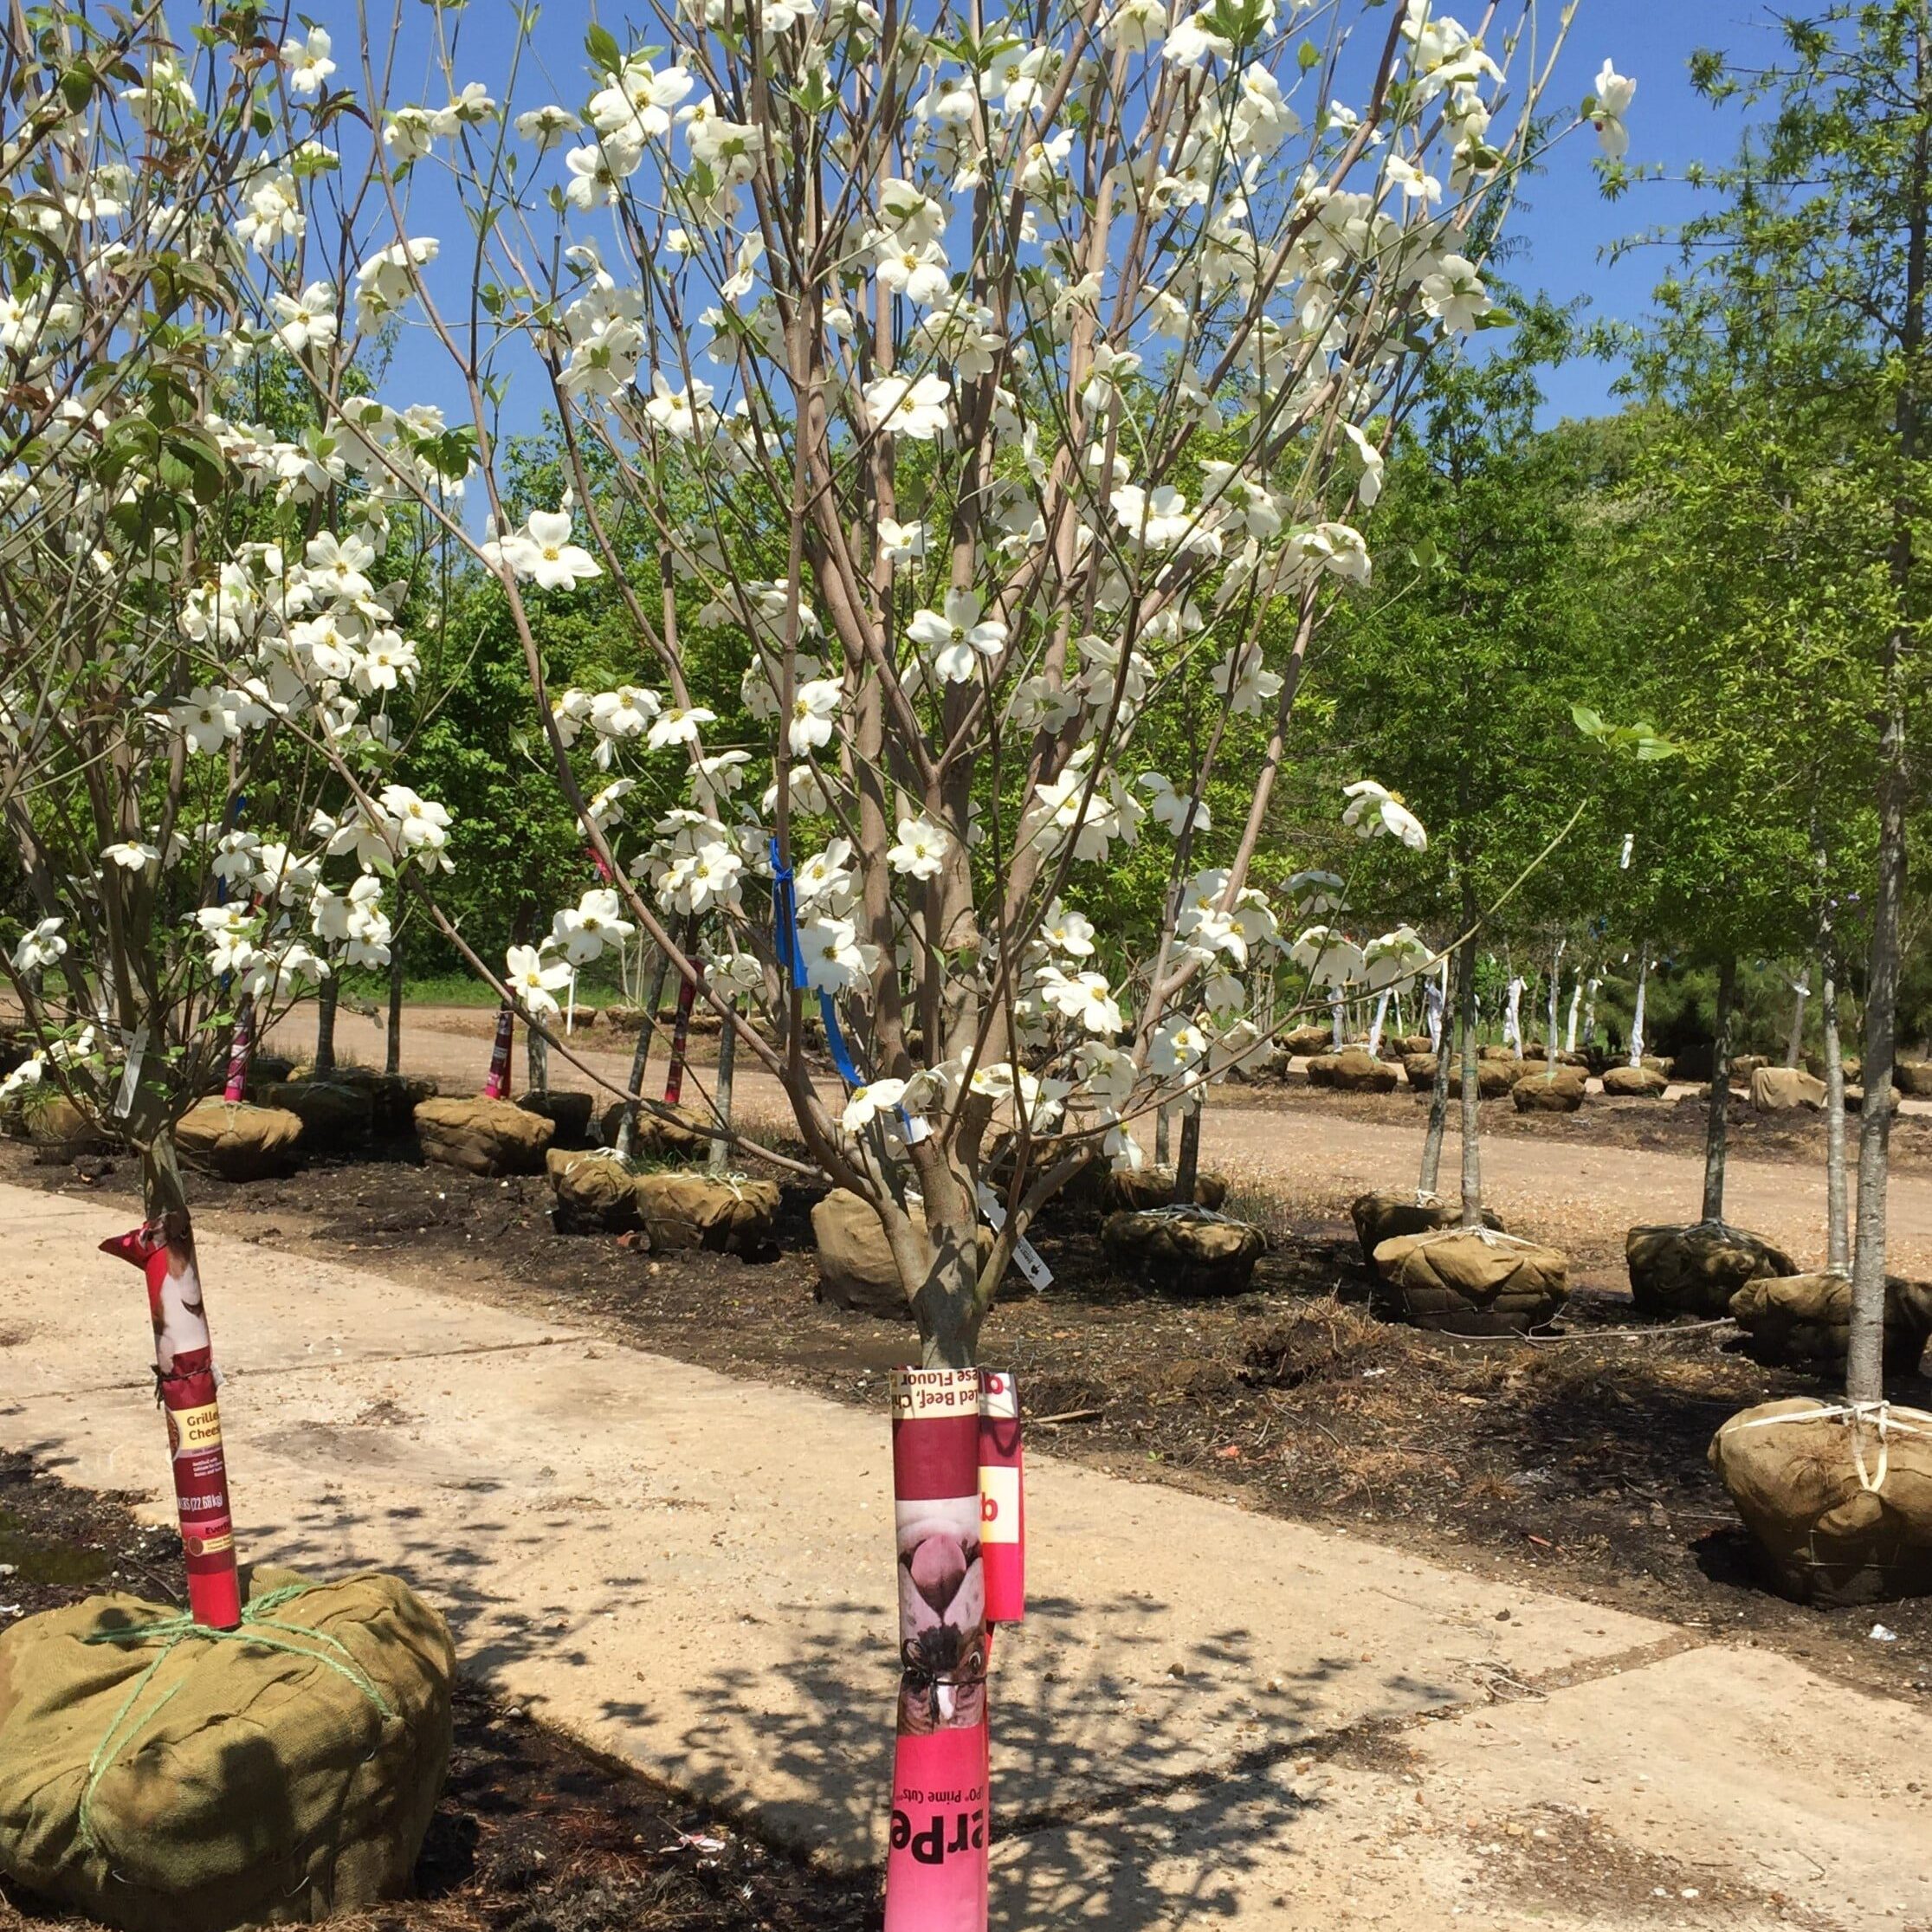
[(337, 1116), (59, 1130), (488, 1137), (1696, 1270), (1804, 1322), (1462, 1284), (238, 1141), (1822, 1533), (1303, 1041), (593, 1191), (567, 1110), (1785, 1089), (1546, 1093), (724, 1214), (1381, 1216), (187, 1783), (1644, 1083), (1183, 1251), (680, 1133), (1353, 1070), (856, 1267)]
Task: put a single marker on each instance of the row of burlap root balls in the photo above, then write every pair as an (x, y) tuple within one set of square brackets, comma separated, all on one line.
[(165, 1777), (1837, 1498)]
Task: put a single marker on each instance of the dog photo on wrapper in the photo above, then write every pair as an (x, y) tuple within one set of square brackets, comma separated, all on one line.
[(942, 1608)]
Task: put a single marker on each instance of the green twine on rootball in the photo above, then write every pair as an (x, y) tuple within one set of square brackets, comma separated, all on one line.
[(172, 1632)]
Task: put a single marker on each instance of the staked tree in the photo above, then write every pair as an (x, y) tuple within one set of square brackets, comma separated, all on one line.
[(1793, 340)]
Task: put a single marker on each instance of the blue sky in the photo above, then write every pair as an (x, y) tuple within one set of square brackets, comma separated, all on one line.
[(1568, 229)]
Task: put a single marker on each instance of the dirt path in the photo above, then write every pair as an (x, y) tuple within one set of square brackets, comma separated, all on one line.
[(1578, 1180)]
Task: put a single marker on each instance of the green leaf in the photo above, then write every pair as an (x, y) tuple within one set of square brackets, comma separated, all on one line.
[(602, 46)]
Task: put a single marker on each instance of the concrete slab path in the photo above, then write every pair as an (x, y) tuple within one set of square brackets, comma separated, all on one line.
[(1209, 1714)]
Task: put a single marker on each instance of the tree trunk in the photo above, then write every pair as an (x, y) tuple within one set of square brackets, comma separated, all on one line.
[(947, 1306), (392, 1050), (1335, 1022), (1636, 1013), (326, 1000), (1555, 988), (720, 1158), (1376, 1024), (1795, 1043), (1465, 973), (1864, 1370), (1717, 1118), (1864, 1367), (1160, 1136), (1438, 1113), (163, 1195), (1576, 1001), (1189, 1165), (536, 1060), (627, 1129), (1590, 1013), (1838, 1238)]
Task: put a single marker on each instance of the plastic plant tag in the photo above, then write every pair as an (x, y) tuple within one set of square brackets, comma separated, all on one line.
[(184, 1369), (936, 1862), (1002, 1498), (1026, 1256)]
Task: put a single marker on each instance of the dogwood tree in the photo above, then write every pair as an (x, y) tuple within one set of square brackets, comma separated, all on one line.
[(204, 668), (970, 375)]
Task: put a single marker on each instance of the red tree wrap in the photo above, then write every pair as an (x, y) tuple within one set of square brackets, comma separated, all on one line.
[(499, 1080), (936, 1866), (185, 1368), (240, 1046), (681, 1040), (1002, 1498)]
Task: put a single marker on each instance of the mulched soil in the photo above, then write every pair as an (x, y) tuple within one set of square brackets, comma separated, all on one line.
[(1576, 1461), (532, 1834)]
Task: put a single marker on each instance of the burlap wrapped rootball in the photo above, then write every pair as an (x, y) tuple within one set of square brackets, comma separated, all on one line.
[(1469, 1283), (1301, 1041), (1380, 1216), (237, 1142), (568, 1111), (59, 1130), (676, 1134), (1125, 1190), (1180, 1251), (1785, 1089), (856, 1267), (337, 1115), (1804, 1320), (1353, 1070), (727, 1215), (596, 1192), (166, 1779), (1839, 1503), (485, 1137), (1494, 1078), (1548, 1093), (1696, 1270), (1634, 1083)]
